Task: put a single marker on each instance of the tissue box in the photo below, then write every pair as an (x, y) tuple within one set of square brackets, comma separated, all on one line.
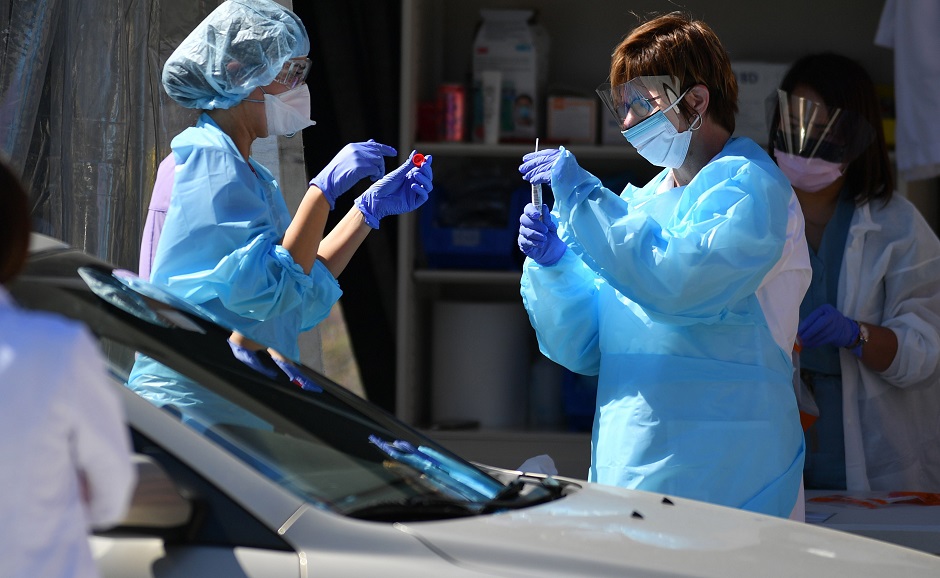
[(757, 86), (572, 119)]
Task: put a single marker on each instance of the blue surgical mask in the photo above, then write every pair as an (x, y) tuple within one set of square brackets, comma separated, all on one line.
[(658, 141)]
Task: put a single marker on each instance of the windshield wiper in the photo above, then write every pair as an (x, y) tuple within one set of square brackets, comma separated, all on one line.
[(510, 497), (459, 480), (416, 509)]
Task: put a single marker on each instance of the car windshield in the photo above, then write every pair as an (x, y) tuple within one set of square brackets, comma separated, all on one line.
[(322, 443)]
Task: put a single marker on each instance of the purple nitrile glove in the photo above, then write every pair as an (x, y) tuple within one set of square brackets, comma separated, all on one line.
[(537, 167), (351, 164), (402, 190), (250, 358), (296, 376), (825, 326), (539, 239)]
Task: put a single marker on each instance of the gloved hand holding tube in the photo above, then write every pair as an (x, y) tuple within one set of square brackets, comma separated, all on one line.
[(400, 191), (295, 375), (827, 326), (538, 239), (351, 164), (250, 358), (536, 167)]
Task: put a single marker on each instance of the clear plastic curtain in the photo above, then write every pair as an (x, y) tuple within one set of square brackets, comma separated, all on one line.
[(83, 117)]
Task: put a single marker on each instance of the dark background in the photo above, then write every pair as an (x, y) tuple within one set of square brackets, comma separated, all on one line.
[(354, 89)]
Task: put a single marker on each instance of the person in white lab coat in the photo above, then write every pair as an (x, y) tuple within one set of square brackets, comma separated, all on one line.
[(870, 322), (64, 446)]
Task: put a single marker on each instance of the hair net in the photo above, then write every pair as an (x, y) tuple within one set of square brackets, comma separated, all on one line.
[(241, 45)]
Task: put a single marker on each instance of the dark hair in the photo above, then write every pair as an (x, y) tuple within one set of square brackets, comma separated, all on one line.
[(688, 50), (841, 82), (14, 225)]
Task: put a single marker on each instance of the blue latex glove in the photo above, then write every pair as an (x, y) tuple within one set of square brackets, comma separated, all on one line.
[(250, 358), (351, 164), (537, 167), (826, 326), (539, 239), (402, 190), (295, 375)]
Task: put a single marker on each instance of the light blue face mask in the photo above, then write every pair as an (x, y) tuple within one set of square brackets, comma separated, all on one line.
[(658, 141)]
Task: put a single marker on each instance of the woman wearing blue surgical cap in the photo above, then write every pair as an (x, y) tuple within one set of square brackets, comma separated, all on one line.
[(870, 322), (228, 242), (681, 295)]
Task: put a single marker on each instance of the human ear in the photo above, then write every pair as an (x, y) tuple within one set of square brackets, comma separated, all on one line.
[(697, 99)]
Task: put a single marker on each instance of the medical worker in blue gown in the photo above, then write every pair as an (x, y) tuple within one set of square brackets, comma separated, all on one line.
[(228, 243), (682, 295)]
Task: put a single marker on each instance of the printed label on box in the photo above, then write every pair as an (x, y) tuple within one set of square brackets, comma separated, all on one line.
[(757, 85)]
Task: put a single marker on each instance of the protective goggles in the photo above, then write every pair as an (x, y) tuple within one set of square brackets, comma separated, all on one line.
[(294, 72), (813, 130), (638, 98)]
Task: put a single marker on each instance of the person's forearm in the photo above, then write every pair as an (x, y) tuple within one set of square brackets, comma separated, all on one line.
[(305, 233), (337, 248)]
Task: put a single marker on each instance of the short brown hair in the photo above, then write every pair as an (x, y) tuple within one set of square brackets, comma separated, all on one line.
[(14, 225), (686, 49)]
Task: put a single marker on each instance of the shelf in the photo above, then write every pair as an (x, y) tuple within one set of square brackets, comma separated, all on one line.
[(467, 276), (466, 149)]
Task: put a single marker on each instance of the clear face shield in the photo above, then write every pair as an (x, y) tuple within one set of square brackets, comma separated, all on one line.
[(813, 130), (294, 72), (637, 99)]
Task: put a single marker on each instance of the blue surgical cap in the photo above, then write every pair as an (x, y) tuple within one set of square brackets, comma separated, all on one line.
[(241, 45)]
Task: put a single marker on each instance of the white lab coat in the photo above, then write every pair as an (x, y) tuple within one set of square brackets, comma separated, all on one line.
[(59, 421), (891, 277), (784, 287), (781, 293)]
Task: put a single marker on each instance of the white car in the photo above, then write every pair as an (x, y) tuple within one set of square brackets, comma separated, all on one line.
[(262, 478)]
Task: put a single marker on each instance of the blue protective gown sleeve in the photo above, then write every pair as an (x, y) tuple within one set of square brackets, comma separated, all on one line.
[(562, 304), (714, 249), (220, 245)]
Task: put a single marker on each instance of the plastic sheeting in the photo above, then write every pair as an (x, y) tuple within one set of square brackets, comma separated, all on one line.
[(83, 116)]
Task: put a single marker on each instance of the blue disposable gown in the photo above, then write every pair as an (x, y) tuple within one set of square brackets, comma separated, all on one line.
[(220, 245), (656, 295)]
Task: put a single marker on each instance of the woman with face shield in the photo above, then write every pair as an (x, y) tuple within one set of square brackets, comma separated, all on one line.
[(681, 295), (870, 322), (228, 243)]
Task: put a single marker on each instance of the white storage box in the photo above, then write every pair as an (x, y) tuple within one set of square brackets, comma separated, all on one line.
[(508, 42), (757, 83), (572, 119)]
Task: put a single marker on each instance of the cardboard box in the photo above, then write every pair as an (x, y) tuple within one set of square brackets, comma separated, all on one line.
[(510, 43), (757, 87), (571, 119)]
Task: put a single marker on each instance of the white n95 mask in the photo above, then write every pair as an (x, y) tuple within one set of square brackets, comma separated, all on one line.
[(658, 141), (288, 112)]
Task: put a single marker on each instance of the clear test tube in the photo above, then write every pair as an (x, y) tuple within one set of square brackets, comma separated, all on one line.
[(537, 189)]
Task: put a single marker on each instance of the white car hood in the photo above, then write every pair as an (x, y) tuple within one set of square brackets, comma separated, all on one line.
[(608, 531)]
